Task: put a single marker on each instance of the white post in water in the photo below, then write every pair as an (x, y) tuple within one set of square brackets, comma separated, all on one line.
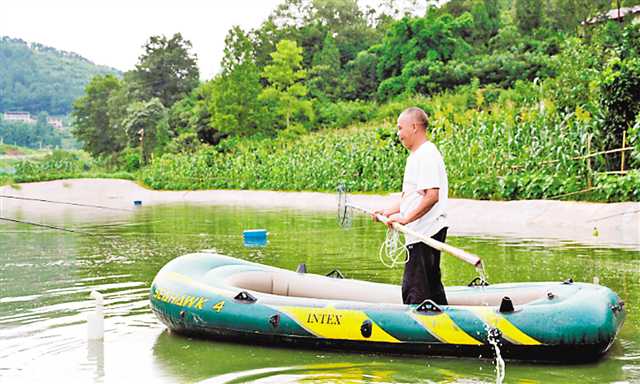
[(95, 319)]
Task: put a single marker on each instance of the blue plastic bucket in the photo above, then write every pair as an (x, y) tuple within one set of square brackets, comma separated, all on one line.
[(254, 237)]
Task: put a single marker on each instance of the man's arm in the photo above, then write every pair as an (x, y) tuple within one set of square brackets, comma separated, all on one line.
[(429, 199)]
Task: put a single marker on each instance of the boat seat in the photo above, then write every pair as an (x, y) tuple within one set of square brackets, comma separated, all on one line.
[(293, 284)]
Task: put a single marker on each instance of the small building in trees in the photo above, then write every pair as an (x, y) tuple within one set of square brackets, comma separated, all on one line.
[(55, 122), (27, 118), (623, 14), (19, 117)]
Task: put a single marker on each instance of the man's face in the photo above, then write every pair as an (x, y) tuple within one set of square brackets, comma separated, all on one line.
[(405, 131)]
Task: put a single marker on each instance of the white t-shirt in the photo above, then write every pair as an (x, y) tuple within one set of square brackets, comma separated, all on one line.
[(425, 170)]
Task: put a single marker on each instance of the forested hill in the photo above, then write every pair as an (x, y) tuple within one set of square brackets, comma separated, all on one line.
[(37, 78)]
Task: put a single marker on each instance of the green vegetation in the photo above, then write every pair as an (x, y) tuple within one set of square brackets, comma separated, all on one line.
[(37, 78), (38, 135), (520, 97), (497, 153), (14, 150), (60, 165)]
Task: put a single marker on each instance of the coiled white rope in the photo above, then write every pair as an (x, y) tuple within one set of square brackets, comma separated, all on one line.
[(392, 250)]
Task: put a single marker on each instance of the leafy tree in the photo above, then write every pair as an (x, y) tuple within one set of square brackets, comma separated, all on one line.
[(191, 115), (234, 104), (415, 46), (528, 15), (325, 73), (620, 100), (238, 49), (92, 120), (434, 37), (566, 15), (285, 93), (265, 39), (307, 22), (457, 7), (146, 126), (360, 78), (232, 101), (486, 20), (347, 24), (578, 70), (630, 41), (166, 70)]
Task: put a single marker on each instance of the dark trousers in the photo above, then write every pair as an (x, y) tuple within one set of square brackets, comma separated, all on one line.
[(422, 278)]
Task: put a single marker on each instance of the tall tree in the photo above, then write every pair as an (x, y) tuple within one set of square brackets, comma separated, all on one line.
[(347, 24), (92, 121), (146, 126), (285, 92), (166, 70), (325, 73), (528, 15), (620, 100), (192, 116), (308, 22), (360, 79), (486, 19), (433, 37), (566, 15), (238, 49), (233, 102)]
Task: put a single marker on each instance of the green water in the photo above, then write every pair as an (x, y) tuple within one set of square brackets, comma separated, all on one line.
[(46, 277)]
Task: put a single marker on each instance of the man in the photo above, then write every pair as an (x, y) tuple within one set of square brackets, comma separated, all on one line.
[(422, 207)]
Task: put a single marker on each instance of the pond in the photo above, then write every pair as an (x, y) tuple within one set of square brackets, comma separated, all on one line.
[(46, 277)]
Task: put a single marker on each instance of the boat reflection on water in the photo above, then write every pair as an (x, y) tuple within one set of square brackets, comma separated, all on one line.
[(186, 359), (209, 361)]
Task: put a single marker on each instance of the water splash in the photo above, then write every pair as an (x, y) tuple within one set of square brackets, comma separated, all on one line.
[(494, 339), (493, 334)]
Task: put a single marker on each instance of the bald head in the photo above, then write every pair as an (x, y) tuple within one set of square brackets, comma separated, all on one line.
[(415, 115), (412, 128)]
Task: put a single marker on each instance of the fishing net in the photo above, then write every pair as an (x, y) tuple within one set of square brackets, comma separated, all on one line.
[(345, 211), (392, 251)]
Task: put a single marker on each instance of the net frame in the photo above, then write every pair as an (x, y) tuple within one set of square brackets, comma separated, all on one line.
[(345, 212)]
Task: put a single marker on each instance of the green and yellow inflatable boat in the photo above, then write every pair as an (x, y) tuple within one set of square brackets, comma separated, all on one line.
[(222, 297)]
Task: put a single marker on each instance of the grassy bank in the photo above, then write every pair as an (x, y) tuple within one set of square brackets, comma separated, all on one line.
[(371, 160), (59, 165), (500, 146)]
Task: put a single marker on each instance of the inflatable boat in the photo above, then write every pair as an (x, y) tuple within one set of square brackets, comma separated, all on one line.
[(217, 296)]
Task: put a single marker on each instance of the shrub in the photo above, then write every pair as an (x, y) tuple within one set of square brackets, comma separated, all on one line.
[(344, 113)]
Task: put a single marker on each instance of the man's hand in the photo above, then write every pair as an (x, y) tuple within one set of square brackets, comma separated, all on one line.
[(397, 218), (383, 212), (386, 212)]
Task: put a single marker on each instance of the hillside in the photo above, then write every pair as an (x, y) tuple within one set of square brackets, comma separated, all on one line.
[(37, 78)]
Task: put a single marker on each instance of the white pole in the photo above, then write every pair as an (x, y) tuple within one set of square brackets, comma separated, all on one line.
[(457, 252), (95, 319)]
